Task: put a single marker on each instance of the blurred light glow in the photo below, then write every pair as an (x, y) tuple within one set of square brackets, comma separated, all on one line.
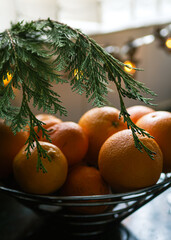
[(8, 79), (168, 43), (78, 74), (131, 65), (143, 40)]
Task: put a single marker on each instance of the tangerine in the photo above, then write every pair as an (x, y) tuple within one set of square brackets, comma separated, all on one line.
[(158, 124), (10, 145), (99, 124), (48, 119), (137, 111), (124, 167), (84, 180), (37, 182), (71, 139)]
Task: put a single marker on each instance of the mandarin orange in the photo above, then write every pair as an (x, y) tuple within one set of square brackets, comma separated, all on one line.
[(37, 182), (48, 119), (99, 124), (71, 139), (10, 145), (158, 124), (84, 180), (137, 111), (124, 167)]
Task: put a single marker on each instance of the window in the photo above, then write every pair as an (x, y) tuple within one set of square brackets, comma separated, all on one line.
[(91, 16)]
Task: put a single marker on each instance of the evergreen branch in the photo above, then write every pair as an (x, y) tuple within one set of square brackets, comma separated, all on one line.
[(37, 54), (135, 129), (133, 92), (33, 138)]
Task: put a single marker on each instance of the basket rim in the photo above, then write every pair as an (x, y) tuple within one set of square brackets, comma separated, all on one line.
[(111, 196)]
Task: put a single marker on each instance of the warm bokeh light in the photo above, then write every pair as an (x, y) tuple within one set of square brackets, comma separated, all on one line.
[(8, 79), (132, 65), (168, 43), (76, 73)]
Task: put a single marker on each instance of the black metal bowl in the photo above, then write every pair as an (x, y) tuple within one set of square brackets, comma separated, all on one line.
[(119, 207)]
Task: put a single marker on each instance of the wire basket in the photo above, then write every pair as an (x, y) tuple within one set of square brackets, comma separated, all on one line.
[(120, 206)]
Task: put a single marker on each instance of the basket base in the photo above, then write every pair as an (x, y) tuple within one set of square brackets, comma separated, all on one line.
[(53, 227)]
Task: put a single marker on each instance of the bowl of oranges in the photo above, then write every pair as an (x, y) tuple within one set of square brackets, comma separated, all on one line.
[(95, 175)]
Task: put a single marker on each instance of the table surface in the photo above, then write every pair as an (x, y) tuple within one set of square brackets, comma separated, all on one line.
[(150, 222)]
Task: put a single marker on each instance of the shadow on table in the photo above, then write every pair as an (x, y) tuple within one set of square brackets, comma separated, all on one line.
[(53, 229)]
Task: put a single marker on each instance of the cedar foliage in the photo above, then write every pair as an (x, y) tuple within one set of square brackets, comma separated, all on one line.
[(39, 53)]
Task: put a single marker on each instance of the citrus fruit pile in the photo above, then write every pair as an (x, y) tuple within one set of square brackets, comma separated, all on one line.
[(95, 156)]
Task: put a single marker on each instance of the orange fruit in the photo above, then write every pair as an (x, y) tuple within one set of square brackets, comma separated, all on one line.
[(10, 145), (158, 124), (84, 180), (71, 139), (49, 121), (137, 111), (124, 167), (99, 124), (33, 181)]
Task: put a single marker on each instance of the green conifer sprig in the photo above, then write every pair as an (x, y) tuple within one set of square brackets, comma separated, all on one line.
[(41, 52)]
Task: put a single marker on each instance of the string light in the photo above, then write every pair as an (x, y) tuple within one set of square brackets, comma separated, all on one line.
[(7, 80), (77, 73), (126, 53), (130, 69), (128, 50), (164, 36), (168, 43)]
